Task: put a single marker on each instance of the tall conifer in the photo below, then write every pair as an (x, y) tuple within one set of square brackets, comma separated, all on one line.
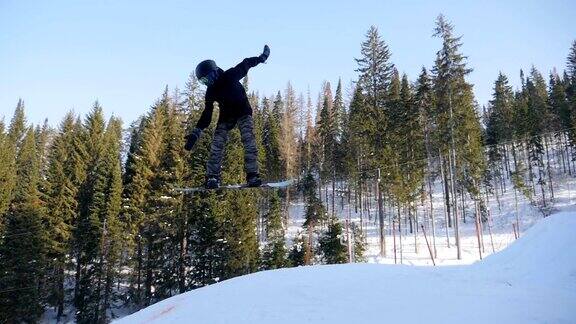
[(22, 251)]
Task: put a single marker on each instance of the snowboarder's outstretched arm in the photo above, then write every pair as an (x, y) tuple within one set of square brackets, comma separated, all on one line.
[(203, 122), (206, 116), (240, 70)]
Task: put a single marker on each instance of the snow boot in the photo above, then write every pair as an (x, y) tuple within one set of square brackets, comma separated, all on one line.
[(253, 180)]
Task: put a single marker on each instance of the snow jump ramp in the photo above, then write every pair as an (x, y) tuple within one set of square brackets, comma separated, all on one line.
[(531, 281)]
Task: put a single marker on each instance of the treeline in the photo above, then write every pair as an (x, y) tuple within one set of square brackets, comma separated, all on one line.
[(90, 220)]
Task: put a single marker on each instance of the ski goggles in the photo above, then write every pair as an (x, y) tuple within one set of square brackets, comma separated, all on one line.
[(208, 79), (204, 80)]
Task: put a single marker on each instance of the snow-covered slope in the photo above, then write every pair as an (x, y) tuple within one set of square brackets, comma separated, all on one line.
[(532, 281)]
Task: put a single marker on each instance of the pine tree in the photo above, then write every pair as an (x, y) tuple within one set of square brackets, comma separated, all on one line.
[(98, 228), (113, 230), (332, 245), (62, 208), (559, 110), (43, 136), (376, 72), (424, 101), (537, 117), (457, 120), (499, 129), (17, 129), (361, 131), (571, 63), (571, 90), (7, 161), (10, 144), (271, 141), (22, 252), (340, 120), (500, 116), (412, 146), (288, 147), (309, 138), (389, 154), (172, 220), (327, 132), (359, 243), (274, 254), (205, 240), (375, 69), (298, 255)]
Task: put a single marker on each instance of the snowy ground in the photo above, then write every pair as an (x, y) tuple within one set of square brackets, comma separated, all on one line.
[(532, 281)]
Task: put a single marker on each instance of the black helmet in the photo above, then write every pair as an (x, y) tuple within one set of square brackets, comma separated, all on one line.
[(204, 68)]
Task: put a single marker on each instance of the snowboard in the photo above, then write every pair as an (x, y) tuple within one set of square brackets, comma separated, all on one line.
[(272, 185)]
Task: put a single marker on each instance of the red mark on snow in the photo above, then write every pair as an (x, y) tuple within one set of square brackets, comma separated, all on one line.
[(162, 313)]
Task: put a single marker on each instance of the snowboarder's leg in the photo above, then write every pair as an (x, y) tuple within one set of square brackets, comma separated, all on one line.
[(214, 164), (246, 126)]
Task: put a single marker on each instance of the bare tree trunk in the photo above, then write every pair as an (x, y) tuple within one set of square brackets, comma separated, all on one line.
[(446, 191), (428, 244), (334, 193), (182, 257), (516, 206), (394, 237), (496, 195), (308, 254), (361, 208), (287, 208), (415, 215), (349, 245), (463, 202), (489, 220), (368, 201), (410, 220), (381, 218), (548, 169), (477, 223), (432, 220), (561, 152), (446, 201), (541, 177), (148, 281), (530, 171), (506, 161), (326, 197), (139, 272), (568, 155), (452, 161), (400, 233)]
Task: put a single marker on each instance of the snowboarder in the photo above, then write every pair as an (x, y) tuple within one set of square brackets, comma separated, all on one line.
[(225, 88)]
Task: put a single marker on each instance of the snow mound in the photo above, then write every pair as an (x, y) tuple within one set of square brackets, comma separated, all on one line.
[(532, 281), (545, 254)]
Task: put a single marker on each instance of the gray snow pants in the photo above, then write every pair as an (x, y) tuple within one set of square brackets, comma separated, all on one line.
[(246, 126)]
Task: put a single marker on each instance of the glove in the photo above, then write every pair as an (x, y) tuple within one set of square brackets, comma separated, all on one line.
[(265, 53), (192, 138)]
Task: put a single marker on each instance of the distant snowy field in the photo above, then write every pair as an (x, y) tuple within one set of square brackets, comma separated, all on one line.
[(531, 281)]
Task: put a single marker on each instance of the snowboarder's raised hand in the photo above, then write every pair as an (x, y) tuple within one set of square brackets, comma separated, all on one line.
[(265, 54), (192, 138)]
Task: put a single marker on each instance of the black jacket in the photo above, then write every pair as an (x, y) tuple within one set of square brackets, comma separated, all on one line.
[(230, 95)]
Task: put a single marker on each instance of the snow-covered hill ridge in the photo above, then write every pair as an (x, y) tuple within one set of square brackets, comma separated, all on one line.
[(532, 281)]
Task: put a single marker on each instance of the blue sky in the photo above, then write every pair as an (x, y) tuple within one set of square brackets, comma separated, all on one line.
[(62, 55)]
